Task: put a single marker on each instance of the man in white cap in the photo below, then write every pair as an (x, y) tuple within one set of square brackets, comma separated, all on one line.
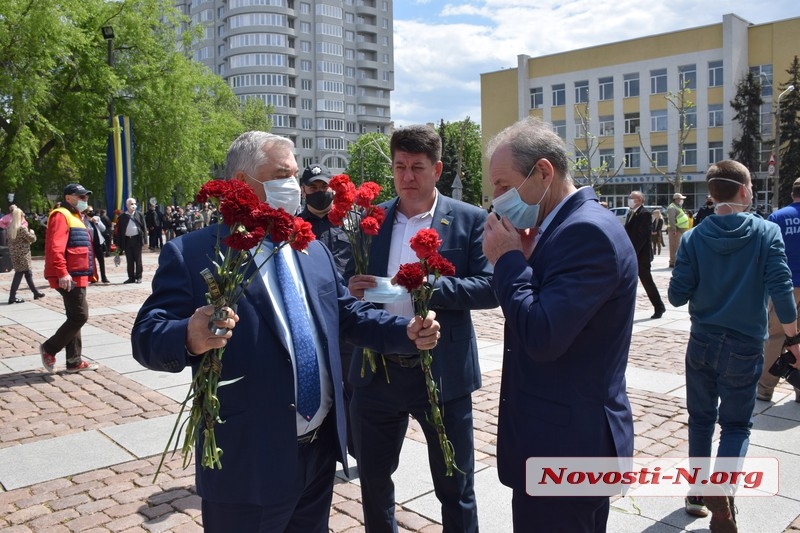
[(677, 224)]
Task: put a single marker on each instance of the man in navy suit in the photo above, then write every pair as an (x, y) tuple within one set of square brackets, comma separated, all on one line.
[(565, 276), (380, 410), (278, 466)]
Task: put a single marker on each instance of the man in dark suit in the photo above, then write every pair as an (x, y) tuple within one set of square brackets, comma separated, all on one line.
[(380, 410), (637, 226), (279, 466), (131, 236), (565, 276)]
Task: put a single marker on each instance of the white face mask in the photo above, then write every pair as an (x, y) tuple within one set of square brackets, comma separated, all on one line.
[(82, 206), (631, 203), (283, 194)]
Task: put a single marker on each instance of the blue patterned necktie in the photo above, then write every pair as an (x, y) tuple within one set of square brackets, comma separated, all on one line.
[(305, 353)]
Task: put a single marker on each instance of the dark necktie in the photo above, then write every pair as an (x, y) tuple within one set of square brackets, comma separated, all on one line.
[(305, 354)]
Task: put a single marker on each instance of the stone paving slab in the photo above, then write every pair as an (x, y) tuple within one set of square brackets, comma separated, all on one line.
[(57, 457), (144, 438)]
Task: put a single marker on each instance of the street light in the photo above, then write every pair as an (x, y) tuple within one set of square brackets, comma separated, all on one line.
[(108, 35), (776, 184)]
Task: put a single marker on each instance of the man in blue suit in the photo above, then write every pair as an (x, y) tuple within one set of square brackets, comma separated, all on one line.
[(380, 410), (279, 466), (565, 275)]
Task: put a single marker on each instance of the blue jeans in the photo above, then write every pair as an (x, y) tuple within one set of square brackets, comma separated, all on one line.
[(719, 367)]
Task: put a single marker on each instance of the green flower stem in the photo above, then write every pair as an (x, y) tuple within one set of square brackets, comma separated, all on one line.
[(421, 298)]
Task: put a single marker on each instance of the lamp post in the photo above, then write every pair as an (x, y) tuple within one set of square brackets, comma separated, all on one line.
[(108, 35), (776, 185)]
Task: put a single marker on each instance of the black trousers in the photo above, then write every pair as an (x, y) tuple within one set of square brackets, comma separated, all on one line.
[(379, 413), (18, 279), (69, 334), (133, 256), (649, 285), (101, 262)]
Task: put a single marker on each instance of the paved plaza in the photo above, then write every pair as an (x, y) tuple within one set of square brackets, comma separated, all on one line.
[(78, 452)]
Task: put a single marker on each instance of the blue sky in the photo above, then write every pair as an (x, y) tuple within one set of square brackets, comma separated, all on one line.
[(441, 47)]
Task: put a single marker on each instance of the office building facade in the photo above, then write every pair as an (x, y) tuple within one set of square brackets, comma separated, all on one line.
[(623, 89), (325, 67)]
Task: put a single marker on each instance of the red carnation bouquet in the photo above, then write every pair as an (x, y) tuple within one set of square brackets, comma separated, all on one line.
[(360, 219), (415, 277), (249, 221)]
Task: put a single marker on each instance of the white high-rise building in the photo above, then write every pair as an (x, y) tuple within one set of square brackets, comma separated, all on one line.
[(326, 67)]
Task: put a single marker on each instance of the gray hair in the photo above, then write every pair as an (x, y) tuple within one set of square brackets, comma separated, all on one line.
[(530, 140), (249, 151)]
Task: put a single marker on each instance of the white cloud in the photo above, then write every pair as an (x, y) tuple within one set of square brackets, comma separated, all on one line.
[(439, 55)]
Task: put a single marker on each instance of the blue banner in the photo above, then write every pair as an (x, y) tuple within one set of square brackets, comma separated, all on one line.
[(119, 164)]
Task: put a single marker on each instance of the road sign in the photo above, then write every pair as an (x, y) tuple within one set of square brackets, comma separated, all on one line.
[(772, 159), (771, 168)]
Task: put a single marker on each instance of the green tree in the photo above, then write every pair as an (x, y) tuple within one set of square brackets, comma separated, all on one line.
[(370, 161), (461, 155), (789, 122), (747, 105), (56, 84)]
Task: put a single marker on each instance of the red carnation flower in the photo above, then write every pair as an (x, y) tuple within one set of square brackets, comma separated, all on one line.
[(370, 226), (302, 234), (366, 193), (440, 266), (425, 243), (378, 213), (244, 240), (411, 276), (282, 226)]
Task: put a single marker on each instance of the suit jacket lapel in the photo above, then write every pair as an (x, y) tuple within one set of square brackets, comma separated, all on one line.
[(379, 248), (442, 218)]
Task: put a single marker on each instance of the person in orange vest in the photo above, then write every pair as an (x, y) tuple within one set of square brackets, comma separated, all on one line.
[(69, 266)]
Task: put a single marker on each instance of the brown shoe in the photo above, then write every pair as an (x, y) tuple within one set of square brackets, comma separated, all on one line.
[(722, 520)]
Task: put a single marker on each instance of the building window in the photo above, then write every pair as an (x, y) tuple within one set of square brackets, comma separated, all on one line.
[(305, 65), (306, 124), (537, 98), (560, 127), (306, 85), (660, 156), (632, 157), (607, 159), (658, 120), (715, 152), (715, 73), (631, 122), (305, 27), (658, 81), (715, 115), (306, 104), (606, 88), (631, 83), (687, 77), (305, 8), (763, 74), (559, 95), (689, 155), (308, 143), (581, 92), (305, 46), (351, 126), (689, 118), (580, 128), (606, 125)]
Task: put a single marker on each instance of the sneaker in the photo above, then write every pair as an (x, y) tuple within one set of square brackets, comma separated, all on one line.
[(49, 361), (695, 506), (83, 366), (722, 517)]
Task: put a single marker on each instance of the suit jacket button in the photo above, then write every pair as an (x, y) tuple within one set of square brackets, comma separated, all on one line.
[(292, 407)]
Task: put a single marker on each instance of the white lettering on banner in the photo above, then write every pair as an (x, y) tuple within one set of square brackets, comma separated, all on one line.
[(650, 476), (791, 230)]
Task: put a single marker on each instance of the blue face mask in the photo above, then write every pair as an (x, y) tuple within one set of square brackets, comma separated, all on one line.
[(520, 214)]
